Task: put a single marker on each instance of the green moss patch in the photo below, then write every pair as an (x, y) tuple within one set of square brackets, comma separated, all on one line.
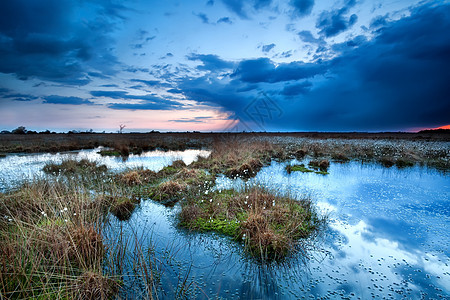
[(303, 169)]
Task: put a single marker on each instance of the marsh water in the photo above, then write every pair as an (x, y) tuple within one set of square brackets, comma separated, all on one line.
[(387, 236), (15, 168)]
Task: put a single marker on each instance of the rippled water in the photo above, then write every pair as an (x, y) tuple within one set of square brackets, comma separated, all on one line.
[(388, 236)]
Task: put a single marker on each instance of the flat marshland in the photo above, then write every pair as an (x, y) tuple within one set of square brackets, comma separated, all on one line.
[(263, 215)]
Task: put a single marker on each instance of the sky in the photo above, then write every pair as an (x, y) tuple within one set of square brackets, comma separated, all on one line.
[(225, 65)]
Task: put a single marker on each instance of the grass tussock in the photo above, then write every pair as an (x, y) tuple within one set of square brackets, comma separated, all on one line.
[(270, 226), (51, 240), (168, 190), (123, 207), (321, 165), (71, 167), (237, 158), (136, 177), (177, 181)]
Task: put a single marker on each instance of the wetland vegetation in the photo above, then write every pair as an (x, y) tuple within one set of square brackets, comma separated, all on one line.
[(53, 226)]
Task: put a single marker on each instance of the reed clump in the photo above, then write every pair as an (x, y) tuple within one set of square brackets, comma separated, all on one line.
[(51, 238)]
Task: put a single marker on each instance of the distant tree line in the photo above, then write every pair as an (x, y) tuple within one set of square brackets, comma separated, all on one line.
[(23, 130)]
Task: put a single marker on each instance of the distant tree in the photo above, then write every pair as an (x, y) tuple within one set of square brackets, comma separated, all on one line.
[(20, 130), (121, 127)]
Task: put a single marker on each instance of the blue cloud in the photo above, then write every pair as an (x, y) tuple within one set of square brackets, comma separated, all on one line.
[(175, 91), (193, 120), (17, 96), (258, 4), (378, 21), (203, 17), (296, 89), (109, 94), (54, 99), (307, 37), (226, 20), (264, 70), (333, 22), (395, 81), (40, 40), (147, 102), (239, 8), (267, 48), (236, 6), (302, 7), (151, 83), (210, 62), (160, 105)]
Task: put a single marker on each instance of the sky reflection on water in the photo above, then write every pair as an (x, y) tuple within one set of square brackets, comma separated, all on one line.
[(388, 232), (387, 237)]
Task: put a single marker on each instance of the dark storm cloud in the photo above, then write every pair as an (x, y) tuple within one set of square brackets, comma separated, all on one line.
[(210, 91), (395, 81), (350, 44), (210, 62), (267, 48), (331, 23), (264, 70), (42, 39), (54, 99), (302, 7), (296, 89), (378, 21)]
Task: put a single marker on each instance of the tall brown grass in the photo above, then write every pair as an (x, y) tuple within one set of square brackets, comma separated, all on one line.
[(52, 243)]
